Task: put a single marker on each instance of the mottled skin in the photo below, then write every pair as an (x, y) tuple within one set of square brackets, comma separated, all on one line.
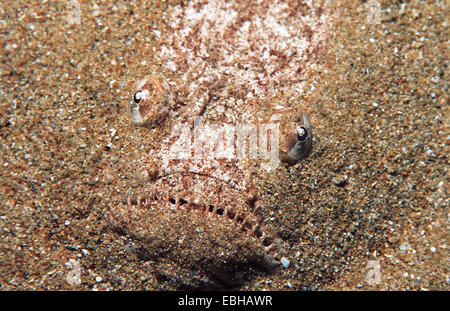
[(206, 200)]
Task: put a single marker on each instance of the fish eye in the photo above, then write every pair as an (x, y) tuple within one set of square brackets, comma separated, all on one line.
[(298, 142), (137, 97), (302, 133)]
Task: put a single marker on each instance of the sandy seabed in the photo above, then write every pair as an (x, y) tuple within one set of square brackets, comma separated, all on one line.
[(367, 210)]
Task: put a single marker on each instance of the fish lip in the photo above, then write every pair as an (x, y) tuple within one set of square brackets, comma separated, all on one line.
[(165, 192)]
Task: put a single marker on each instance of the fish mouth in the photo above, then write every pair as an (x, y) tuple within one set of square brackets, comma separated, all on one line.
[(202, 195)]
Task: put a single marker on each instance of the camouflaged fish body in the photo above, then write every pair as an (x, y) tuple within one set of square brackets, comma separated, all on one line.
[(195, 217), (201, 192)]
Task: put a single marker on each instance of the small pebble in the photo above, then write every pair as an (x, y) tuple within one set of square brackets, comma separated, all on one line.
[(430, 153), (340, 180), (405, 247), (285, 262)]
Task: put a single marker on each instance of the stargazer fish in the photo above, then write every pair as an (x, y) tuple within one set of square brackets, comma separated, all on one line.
[(226, 116)]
